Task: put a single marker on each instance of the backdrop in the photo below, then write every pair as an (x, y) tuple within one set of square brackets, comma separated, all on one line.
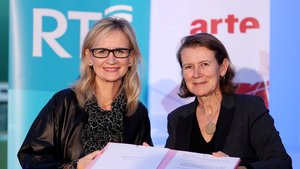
[(45, 39), (242, 26)]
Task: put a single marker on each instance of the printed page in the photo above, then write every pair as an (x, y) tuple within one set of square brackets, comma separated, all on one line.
[(189, 160), (128, 156)]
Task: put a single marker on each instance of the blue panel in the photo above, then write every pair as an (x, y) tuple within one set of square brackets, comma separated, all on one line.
[(45, 43), (284, 74)]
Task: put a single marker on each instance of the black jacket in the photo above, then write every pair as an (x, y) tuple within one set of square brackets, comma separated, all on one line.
[(252, 135), (54, 137)]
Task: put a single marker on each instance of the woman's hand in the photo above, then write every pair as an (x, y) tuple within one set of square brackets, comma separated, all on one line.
[(241, 167), (86, 160), (219, 154), (145, 144)]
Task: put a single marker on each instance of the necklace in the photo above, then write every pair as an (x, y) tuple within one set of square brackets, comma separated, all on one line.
[(210, 127)]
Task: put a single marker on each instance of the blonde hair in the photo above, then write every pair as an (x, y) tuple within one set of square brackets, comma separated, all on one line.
[(84, 86)]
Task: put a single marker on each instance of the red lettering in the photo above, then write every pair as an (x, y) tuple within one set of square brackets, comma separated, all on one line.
[(231, 20), (214, 25), (249, 23), (201, 25)]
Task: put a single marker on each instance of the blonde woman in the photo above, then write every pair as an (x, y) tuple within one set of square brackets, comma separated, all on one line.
[(102, 106)]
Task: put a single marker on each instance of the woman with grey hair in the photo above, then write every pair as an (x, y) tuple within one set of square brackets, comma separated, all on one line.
[(218, 121)]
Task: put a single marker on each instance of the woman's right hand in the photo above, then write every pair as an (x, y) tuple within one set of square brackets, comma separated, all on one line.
[(86, 160), (241, 167), (145, 144)]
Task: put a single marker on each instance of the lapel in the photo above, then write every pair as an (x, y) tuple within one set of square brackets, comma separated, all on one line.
[(184, 127), (225, 117), (233, 145)]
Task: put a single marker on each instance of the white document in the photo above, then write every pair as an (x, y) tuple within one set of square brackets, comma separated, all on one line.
[(190, 160), (128, 156)]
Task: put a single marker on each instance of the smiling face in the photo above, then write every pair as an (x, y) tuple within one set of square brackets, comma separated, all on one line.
[(110, 69), (200, 70)]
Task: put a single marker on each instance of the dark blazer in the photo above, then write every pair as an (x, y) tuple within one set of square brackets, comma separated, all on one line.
[(54, 137), (252, 135)]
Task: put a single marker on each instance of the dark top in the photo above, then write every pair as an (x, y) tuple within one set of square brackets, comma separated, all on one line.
[(198, 143), (54, 137), (251, 136)]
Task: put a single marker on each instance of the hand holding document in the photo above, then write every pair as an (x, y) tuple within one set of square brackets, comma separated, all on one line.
[(128, 156)]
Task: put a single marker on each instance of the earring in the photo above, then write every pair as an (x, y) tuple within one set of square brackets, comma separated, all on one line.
[(222, 78)]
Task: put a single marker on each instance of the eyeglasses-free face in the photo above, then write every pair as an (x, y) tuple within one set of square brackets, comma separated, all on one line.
[(104, 52)]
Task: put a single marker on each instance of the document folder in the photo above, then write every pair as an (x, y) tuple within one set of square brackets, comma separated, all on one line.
[(128, 156)]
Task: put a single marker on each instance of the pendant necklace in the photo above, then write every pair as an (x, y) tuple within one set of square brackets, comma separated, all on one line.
[(210, 127)]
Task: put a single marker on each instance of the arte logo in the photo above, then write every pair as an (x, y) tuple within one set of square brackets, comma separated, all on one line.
[(231, 22), (51, 37)]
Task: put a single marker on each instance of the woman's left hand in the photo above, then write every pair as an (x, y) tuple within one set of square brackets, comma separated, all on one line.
[(145, 144), (219, 154), (86, 160)]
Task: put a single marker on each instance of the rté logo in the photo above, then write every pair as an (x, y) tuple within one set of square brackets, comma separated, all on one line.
[(84, 18)]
